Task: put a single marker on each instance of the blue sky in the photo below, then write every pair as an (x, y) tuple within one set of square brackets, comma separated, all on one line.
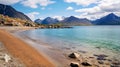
[(91, 9)]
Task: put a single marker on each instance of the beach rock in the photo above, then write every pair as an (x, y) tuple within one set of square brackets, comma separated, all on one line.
[(7, 58), (100, 62), (74, 55), (116, 63), (74, 64), (86, 64), (109, 60), (82, 51), (98, 47), (101, 57)]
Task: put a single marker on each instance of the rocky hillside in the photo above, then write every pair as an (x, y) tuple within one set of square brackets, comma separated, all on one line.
[(9, 21), (11, 12)]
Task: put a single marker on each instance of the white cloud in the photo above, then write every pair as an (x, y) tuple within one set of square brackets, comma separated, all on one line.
[(33, 15), (35, 3), (69, 8), (58, 17), (102, 8), (82, 2), (9, 2)]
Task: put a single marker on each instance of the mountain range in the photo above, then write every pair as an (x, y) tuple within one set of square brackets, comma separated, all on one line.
[(11, 12), (110, 19), (66, 21)]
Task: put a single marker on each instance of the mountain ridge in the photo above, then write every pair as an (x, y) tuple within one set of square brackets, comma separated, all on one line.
[(11, 12), (110, 19), (67, 21)]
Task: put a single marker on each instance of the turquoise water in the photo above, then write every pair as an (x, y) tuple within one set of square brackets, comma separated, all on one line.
[(107, 37)]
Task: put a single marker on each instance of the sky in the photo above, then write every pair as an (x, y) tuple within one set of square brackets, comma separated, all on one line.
[(91, 9)]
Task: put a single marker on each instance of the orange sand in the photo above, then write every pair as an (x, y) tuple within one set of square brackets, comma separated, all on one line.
[(19, 49)]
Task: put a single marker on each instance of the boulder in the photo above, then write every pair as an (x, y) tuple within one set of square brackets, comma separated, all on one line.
[(100, 62), (7, 58), (74, 64), (116, 63), (86, 64), (74, 55), (101, 57)]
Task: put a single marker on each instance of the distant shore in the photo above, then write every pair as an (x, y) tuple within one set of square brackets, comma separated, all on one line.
[(21, 50)]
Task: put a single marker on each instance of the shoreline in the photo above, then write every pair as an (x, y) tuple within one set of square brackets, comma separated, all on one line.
[(59, 57), (19, 49), (52, 54)]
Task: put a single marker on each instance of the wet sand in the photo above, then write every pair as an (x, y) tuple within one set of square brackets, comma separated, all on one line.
[(21, 50)]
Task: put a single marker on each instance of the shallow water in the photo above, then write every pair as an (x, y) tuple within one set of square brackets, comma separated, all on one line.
[(81, 38)]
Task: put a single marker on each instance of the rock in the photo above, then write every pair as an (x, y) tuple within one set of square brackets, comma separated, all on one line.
[(74, 55), (98, 47), (114, 65), (7, 58), (101, 57), (86, 64), (109, 60), (74, 64), (91, 57), (82, 51), (100, 62)]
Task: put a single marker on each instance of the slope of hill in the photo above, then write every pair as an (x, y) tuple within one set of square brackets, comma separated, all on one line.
[(49, 20), (9, 21), (110, 19), (11, 12)]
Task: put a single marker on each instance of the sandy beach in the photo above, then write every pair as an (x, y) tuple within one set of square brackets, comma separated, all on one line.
[(21, 50)]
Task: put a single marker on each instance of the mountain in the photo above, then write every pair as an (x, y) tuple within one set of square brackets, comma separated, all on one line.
[(70, 21), (9, 21), (110, 19), (49, 20), (75, 21), (38, 21), (11, 12)]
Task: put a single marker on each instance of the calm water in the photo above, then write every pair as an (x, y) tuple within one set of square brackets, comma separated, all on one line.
[(107, 37)]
